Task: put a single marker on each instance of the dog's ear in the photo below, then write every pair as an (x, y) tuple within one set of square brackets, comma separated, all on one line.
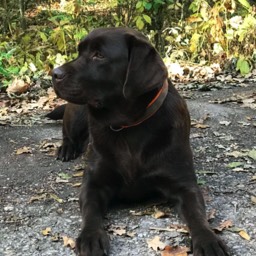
[(146, 69)]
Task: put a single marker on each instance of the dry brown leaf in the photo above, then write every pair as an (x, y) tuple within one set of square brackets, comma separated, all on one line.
[(180, 228), (223, 225), (175, 251), (17, 86), (118, 230), (244, 235), (69, 242), (47, 231), (156, 244), (23, 150), (38, 198), (48, 146)]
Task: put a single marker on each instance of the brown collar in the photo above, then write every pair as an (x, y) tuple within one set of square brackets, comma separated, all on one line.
[(152, 107)]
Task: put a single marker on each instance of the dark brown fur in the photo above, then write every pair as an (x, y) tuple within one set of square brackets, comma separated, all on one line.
[(115, 76)]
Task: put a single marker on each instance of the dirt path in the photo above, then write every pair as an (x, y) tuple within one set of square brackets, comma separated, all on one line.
[(37, 192)]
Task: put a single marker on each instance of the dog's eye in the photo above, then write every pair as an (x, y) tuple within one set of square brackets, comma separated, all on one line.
[(97, 56)]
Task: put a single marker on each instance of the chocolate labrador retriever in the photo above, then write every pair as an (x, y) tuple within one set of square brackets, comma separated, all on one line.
[(138, 128)]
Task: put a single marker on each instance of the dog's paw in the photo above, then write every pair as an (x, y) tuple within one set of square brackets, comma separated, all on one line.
[(92, 243), (67, 152), (208, 244)]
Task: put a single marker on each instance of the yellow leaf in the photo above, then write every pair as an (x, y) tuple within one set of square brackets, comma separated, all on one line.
[(244, 235), (194, 42), (78, 184), (56, 198), (47, 231), (78, 174)]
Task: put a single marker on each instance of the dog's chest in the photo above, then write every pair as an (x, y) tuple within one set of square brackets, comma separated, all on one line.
[(129, 160)]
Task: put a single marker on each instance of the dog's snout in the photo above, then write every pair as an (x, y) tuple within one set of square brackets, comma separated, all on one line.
[(58, 74)]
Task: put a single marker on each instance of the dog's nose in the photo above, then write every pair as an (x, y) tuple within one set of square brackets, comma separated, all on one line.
[(58, 74)]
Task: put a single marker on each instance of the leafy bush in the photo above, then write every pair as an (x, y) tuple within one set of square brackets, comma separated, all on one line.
[(46, 35)]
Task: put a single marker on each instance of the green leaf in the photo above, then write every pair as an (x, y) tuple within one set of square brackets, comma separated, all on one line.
[(244, 3), (4, 72), (234, 164), (147, 5), (64, 176), (201, 182), (140, 23), (43, 36), (243, 65), (139, 5), (252, 154), (147, 18)]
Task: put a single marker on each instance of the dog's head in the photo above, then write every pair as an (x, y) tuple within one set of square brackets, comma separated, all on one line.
[(112, 62)]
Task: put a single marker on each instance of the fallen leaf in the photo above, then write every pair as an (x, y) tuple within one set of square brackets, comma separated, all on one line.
[(48, 146), (23, 150), (175, 251), (64, 176), (180, 228), (77, 184), (69, 242), (59, 180), (38, 198), (252, 154), (78, 174), (17, 86), (253, 178), (253, 199), (131, 234), (155, 243), (117, 230), (200, 125), (234, 164), (55, 237), (56, 198), (226, 123), (159, 214), (244, 235), (236, 154), (47, 231), (224, 225), (238, 169), (211, 214)]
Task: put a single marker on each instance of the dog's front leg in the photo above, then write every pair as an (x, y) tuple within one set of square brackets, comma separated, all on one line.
[(95, 196), (205, 242)]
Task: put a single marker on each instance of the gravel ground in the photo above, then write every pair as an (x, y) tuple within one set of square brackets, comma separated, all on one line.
[(37, 192)]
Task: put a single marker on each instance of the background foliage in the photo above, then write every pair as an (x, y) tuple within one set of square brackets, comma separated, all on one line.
[(37, 35)]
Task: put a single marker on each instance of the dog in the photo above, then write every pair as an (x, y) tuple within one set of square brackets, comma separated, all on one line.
[(137, 126)]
